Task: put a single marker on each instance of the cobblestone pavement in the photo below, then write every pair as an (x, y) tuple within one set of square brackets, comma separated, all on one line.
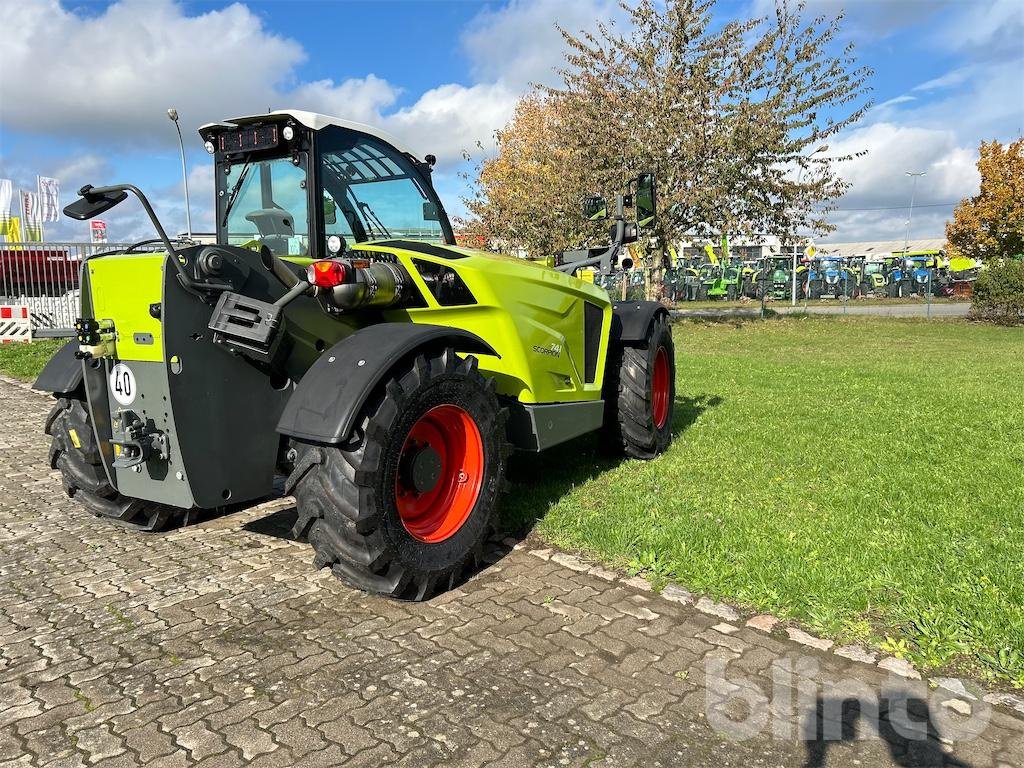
[(219, 645)]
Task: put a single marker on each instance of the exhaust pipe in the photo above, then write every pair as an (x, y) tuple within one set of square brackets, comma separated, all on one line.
[(278, 268)]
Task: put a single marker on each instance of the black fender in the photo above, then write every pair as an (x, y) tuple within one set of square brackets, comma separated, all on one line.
[(632, 320), (332, 392), (63, 373)]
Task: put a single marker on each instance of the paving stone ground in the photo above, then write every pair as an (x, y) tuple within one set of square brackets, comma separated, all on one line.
[(219, 645)]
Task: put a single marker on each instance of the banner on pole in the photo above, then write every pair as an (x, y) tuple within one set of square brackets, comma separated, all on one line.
[(98, 230), (6, 196), (14, 230), (32, 217), (49, 198)]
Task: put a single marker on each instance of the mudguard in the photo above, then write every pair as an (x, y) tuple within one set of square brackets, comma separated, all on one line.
[(332, 392), (631, 320), (63, 373)]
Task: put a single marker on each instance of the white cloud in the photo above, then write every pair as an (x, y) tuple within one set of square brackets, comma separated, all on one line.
[(987, 29), (447, 120), (359, 99), (224, 63), (863, 19), (519, 44), (879, 180), (114, 74)]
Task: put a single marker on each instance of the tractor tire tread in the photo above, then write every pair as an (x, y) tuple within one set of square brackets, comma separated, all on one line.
[(336, 491), (84, 479), (629, 428)]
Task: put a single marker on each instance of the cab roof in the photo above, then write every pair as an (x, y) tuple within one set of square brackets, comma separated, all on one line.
[(315, 121)]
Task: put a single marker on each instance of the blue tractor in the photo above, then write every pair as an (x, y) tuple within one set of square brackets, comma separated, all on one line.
[(828, 277)]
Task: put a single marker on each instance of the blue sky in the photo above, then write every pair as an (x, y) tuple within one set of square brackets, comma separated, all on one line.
[(85, 85)]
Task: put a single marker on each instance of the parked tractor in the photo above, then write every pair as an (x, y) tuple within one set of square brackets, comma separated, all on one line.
[(335, 335), (869, 274), (918, 273), (828, 277), (774, 278), (691, 278)]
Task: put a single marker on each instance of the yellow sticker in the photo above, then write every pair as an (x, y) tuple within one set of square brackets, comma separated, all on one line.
[(117, 449), (74, 438)]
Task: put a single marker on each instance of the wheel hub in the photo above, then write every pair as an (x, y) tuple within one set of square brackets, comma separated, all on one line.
[(421, 468), (440, 473)]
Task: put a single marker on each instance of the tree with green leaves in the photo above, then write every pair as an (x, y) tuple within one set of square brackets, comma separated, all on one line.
[(725, 114)]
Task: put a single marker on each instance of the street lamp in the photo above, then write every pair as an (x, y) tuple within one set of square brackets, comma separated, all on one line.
[(172, 113), (799, 178), (910, 218)]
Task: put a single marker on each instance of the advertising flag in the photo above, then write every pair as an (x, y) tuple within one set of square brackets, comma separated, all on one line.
[(6, 195), (14, 230), (98, 230), (49, 198), (32, 217)]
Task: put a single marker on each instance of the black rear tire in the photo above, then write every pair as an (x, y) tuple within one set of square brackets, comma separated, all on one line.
[(634, 424), (75, 452), (349, 496)]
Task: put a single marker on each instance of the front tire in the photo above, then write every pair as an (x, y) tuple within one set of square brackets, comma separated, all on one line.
[(639, 395), (75, 452), (404, 508)]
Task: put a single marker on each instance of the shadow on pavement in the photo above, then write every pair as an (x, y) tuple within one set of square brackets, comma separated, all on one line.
[(904, 723), (277, 524)]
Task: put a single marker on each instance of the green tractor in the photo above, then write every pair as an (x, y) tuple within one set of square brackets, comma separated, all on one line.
[(336, 336), (870, 276), (774, 278)]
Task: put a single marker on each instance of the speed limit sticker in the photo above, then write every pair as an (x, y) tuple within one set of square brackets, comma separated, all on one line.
[(122, 384)]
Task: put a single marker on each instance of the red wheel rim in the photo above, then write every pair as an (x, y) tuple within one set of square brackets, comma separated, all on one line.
[(445, 446), (660, 388)]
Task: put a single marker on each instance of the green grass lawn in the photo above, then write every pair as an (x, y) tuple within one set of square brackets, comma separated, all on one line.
[(25, 361), (863, 476)]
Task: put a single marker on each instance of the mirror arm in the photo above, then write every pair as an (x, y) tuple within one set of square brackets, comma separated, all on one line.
[(145, 204), (187, 282)]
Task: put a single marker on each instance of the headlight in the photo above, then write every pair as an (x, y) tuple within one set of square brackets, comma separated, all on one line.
[(288, 133), (209, 147)]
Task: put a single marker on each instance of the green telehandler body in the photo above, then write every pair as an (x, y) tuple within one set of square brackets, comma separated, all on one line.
[(336, 338)]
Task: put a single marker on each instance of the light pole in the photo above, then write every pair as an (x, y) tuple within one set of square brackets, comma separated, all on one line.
[(172, 113), (910, 218), (799, 178)]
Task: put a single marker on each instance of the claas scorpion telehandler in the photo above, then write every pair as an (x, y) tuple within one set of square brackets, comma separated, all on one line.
[(334, 336)]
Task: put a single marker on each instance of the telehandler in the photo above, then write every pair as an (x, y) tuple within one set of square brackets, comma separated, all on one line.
[(335, 335)]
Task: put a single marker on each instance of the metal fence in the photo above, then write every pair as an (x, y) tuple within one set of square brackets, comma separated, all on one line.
[(44, 277)]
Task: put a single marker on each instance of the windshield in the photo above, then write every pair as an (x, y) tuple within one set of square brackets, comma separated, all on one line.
[(872, 267), (373, 192), (268, 206)]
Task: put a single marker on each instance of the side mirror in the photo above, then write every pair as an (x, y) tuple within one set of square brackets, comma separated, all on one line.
[(330, 210), (646, 202), (91, 204), (430, 212), (595, 208)]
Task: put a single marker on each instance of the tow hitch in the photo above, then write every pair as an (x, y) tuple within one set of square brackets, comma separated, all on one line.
[(134, 441)]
